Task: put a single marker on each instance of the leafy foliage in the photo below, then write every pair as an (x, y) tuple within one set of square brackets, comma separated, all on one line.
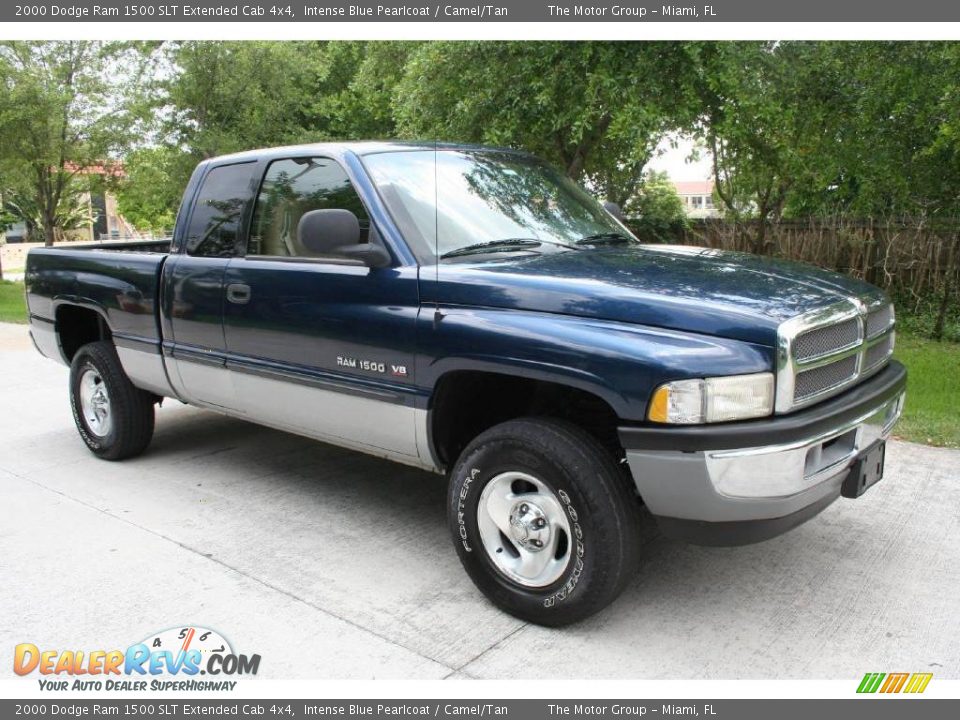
[(656, 212), (225, 97), (596, 110), (149, 193), (808, 128), (64, 107), (71, 212)]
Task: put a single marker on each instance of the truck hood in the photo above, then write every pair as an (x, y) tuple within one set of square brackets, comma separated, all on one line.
[(713, 292)]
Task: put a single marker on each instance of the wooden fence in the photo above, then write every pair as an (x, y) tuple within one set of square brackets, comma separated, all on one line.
[(908, 258)]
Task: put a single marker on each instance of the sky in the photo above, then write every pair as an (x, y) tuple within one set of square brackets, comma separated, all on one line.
[(675, 161)]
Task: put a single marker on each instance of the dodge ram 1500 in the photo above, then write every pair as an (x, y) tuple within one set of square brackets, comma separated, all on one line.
[(471, 311)]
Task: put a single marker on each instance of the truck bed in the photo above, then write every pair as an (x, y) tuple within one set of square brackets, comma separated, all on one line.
[(118, 280)]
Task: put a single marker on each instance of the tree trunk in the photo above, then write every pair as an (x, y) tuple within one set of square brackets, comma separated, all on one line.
[(761, 241), (941, 320)]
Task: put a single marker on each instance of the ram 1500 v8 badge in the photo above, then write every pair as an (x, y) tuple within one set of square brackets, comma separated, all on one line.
[(472, 312)]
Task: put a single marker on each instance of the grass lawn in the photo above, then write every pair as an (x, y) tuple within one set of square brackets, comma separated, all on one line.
[(932, 415), (13, 306)]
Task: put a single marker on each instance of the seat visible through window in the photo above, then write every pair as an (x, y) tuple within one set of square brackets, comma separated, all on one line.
[(295, 186)]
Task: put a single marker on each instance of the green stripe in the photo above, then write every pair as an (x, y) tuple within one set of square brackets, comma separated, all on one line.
[(877, 682), (871, 682)]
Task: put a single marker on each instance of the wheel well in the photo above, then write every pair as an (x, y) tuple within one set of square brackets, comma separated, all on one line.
[(466, 403), (77, 326)]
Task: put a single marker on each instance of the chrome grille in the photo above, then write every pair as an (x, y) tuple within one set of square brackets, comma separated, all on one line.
[(827, 340), (879, 320), (819, 379), (878, 352), (824, 351)]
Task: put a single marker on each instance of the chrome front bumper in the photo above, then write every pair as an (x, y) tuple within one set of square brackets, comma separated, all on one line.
[(731, 495), (784, 470)]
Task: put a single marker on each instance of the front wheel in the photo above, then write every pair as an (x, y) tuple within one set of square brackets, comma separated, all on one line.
[(114, 418), (543, 521)]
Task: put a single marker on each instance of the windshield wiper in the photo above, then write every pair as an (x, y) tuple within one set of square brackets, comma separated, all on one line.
[(606, 238), (494, 246)]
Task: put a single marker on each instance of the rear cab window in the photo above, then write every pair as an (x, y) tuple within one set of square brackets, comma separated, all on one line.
[(216, 221)]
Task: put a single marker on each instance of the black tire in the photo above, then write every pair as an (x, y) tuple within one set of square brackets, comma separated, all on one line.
[(131, 409), (601, 508)]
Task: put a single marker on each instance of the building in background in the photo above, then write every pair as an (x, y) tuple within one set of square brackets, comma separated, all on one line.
[(697, 197)]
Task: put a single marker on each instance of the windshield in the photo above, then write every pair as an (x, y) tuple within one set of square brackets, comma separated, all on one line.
[(447, 201)]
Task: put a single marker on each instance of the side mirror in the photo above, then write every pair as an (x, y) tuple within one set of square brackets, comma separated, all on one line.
[(337, 232), (614, 209), (369, 254)]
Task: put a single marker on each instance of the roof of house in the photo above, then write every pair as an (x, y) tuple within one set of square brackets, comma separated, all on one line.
[(115, 169), (694, 187)]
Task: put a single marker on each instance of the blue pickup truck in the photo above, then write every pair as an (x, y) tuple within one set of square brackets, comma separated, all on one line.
[(472, 312)]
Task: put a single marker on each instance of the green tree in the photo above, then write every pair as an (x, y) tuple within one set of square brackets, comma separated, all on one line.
[(225, 97), (752, 124), (72, 211), (64, 107), (656, 211), (596, 110), (891, 146), (148, 195), (356, 97), (804, 128)]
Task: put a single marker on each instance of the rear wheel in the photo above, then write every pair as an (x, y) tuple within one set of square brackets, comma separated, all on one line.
[(543, 521), (114, 418)]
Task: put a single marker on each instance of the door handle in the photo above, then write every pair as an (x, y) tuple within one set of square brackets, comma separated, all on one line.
[(238, 293)]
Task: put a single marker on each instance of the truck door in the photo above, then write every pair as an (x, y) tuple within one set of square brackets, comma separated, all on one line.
[(319, 344), (192, 287)]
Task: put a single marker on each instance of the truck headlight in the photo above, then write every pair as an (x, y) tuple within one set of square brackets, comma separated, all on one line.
[(710, 400)]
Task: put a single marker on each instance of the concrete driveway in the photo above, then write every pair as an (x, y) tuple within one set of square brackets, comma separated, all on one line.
[(331, 564)]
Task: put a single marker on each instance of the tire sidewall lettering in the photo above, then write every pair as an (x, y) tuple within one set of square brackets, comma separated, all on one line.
[(578, 565), (462, 508), (93, 442)]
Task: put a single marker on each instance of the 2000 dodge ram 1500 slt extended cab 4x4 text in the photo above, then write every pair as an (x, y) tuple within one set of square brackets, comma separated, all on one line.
[(470, 310)]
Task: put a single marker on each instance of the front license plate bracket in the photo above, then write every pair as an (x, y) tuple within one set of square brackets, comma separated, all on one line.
[(866, 471)]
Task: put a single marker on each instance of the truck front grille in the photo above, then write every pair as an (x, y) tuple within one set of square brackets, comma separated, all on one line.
[(879, 320), (813, 382), (826, 340), (823, 352), (878, 352)]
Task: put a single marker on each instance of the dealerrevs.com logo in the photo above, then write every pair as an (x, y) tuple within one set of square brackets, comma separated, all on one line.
[(172, 659)]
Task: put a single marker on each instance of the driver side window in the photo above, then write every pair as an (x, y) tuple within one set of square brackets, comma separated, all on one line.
[(291, 188)]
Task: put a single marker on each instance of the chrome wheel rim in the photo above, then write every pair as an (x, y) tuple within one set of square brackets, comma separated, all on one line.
[(524, 529), (95, 403)]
